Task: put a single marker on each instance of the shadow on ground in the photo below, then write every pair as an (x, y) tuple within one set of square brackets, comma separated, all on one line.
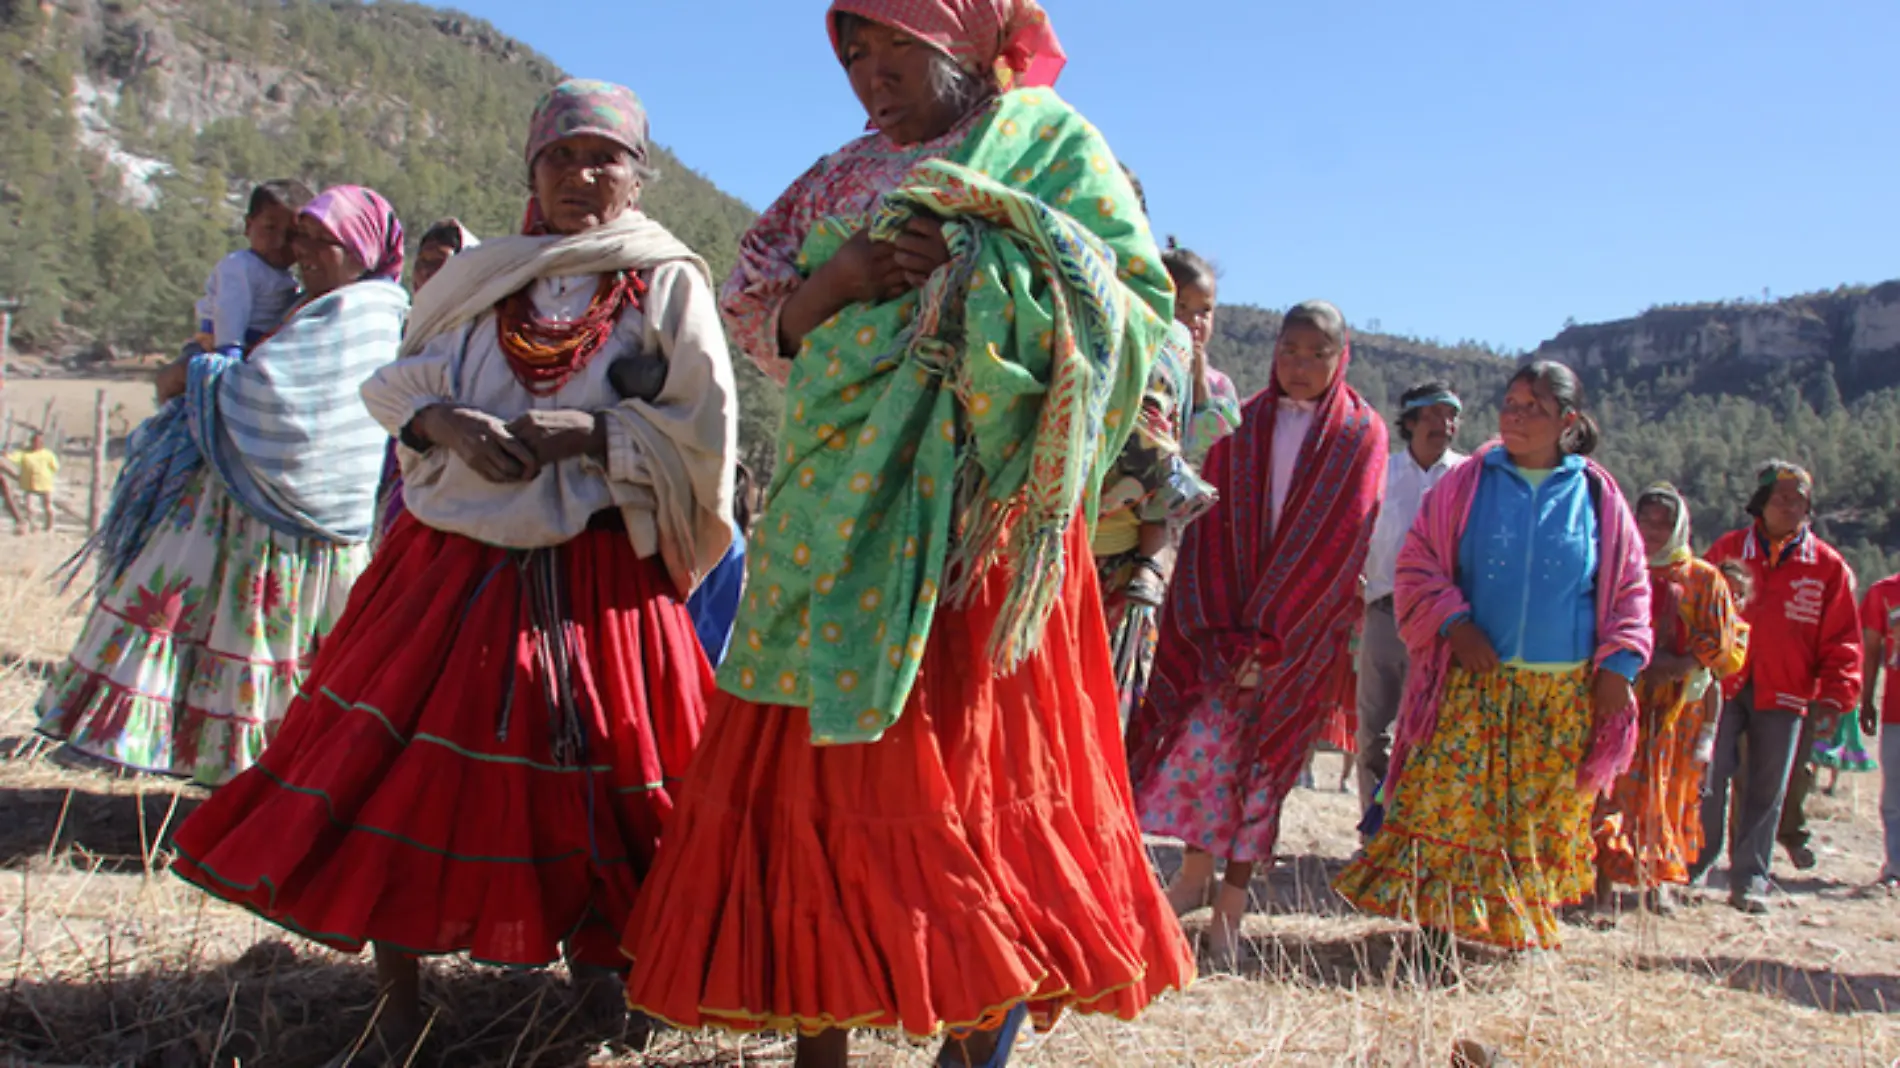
[(118, 830), (38, 667), (281, 1007), (1812, 988)]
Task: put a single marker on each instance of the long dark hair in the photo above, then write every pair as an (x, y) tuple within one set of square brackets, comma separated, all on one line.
[(1566, 389)]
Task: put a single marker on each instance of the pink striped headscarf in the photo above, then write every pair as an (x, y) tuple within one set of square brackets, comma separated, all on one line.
[(364, 223), (1007, 42), (1427, 597)]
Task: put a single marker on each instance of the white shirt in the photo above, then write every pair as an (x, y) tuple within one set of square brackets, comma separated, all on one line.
[(1406, 484), (1290, 426), (244, 298), (650, 477)]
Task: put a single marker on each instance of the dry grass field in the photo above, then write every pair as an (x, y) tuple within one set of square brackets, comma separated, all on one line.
[(109, 960)]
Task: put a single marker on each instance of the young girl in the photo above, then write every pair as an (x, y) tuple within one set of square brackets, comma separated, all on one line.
[(1646, 835), (1215, 412), (1147, 498), (1258, 615)]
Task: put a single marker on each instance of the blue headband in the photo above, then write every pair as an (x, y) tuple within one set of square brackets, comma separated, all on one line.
[(1445, 397)]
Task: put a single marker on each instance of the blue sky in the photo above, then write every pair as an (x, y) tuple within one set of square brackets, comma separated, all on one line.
[(1449, 169)]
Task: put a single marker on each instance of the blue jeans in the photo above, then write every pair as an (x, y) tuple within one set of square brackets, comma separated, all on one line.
[(1890, 794)]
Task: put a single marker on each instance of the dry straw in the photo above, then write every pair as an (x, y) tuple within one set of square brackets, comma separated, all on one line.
[(113, 962)]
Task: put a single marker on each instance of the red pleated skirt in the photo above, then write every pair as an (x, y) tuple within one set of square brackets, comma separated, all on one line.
[(983, 854), (416, 795)]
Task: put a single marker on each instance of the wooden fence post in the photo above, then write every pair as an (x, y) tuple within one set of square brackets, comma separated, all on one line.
[(96, 503)]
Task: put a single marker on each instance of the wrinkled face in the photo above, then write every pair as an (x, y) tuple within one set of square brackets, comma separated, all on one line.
[(892, 74), (584, 181), (1529, 423), (1433, 428), (1786, 510), (430, 258), (322, 261), (1305, 361), (270, 232), (1194, 308), (1657, 521)]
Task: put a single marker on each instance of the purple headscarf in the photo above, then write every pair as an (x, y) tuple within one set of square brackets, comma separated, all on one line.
[(582, 106), (364, 223)]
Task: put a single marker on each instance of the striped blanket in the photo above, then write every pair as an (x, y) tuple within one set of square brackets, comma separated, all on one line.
[(285, 428)]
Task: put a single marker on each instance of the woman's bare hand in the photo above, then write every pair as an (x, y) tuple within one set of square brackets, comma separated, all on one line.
[(561, 434), (864, 272), (480, 440), (921, 250), (1473, 649), (173, 378)]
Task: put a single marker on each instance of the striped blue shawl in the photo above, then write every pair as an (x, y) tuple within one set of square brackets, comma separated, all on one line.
[(285, 428)]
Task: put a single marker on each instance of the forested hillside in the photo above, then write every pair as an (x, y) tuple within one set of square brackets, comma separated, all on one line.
[(130, 131), (1703, 422)]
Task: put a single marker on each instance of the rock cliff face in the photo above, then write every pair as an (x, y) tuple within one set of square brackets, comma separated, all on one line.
[(1728, 347), (193, 80)]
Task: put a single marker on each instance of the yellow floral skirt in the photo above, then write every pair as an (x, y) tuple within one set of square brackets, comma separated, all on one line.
[(1487, 836)]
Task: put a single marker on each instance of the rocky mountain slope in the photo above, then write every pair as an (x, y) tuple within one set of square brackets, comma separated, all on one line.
[(1850, 335)]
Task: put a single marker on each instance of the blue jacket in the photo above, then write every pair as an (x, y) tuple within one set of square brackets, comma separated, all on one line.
[(1528, 565)]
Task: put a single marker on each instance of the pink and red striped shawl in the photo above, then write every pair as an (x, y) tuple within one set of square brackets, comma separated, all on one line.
[(1284, 598), (1427, 596)]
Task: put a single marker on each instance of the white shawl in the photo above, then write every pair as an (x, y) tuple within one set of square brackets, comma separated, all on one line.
[(669, 463)]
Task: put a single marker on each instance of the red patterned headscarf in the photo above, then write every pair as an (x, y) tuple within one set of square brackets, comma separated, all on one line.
[(1007, 42), (364, 223)]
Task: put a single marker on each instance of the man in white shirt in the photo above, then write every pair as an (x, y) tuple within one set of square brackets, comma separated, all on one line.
[(1428, 421)]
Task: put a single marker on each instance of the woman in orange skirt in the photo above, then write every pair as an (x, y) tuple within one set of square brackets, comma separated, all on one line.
[(1649, 830), (485, 751), (911, 807)]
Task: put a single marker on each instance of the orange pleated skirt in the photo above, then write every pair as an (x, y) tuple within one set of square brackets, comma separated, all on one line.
[(983, 854)]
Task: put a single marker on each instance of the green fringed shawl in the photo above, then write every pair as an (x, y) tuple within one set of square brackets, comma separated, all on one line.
[(927, 437)]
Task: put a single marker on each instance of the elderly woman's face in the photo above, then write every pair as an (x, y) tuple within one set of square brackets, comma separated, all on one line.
[(1657, 522), (893, 75), (322, 262), (584, 181)]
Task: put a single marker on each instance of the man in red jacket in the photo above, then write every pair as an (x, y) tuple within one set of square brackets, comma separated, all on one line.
[(1803, 664)]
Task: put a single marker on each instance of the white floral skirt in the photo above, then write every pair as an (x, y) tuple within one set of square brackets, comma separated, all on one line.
[(189, 660)]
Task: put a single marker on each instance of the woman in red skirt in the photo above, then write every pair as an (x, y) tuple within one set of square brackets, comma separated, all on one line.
[(486, 748), (911, 810)]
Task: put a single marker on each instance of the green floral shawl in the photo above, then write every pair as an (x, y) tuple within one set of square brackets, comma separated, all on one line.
[(927, 437)]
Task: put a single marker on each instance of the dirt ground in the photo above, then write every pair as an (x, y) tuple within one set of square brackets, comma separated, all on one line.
[(112, 961)]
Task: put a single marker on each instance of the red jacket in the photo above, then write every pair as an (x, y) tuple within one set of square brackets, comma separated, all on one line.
[(1804, 636)]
